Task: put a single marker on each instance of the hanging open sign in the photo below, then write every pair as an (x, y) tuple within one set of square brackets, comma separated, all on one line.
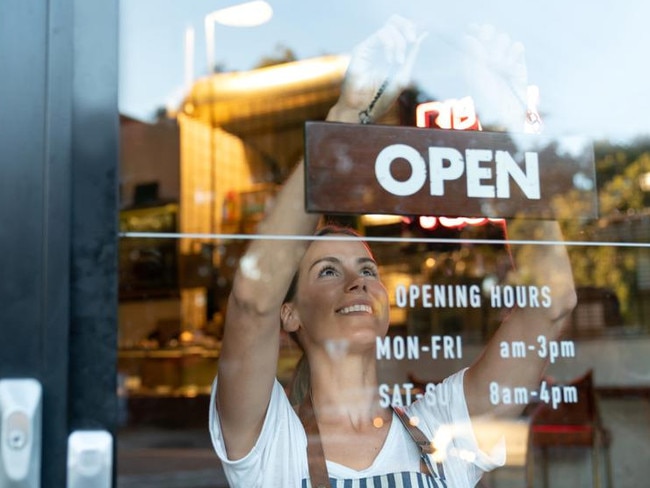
[(410, 171)]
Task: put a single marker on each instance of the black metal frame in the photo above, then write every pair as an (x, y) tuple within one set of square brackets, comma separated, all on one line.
[(58, 212)]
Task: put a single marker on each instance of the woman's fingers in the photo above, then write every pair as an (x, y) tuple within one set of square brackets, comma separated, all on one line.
[(381, 66)]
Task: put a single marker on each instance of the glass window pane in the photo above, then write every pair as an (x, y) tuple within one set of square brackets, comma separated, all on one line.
[(530, 112)]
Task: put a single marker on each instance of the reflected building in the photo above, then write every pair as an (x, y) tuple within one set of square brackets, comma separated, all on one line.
[(207, 172)]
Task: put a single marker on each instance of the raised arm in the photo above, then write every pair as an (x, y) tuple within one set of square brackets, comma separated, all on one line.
[(537, 264), (498, 70), (248, 360), (249, 354)]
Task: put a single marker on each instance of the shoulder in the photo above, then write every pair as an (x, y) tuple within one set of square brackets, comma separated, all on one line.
[(444, 418), (281, 424), (278, 458), (442, 406)]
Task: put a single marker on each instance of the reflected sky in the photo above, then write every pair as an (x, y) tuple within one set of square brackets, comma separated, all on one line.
[(587, 59)]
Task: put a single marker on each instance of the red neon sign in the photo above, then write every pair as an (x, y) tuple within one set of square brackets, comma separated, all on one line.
[(448, 114), (430, 223)]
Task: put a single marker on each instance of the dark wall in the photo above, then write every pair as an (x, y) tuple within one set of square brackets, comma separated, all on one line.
[(58, 201)]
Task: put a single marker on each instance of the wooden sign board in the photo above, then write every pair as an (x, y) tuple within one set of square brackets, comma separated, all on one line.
[(375, 169)]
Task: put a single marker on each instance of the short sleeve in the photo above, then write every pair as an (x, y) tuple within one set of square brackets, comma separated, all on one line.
[(444, 417), (278, 458)]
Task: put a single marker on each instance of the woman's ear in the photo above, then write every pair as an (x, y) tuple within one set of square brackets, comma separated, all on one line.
[(289, 317)]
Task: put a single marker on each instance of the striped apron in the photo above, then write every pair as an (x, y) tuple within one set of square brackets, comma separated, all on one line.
[(390, 480)]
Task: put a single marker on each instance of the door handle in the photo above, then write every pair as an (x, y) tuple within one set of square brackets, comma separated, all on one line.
[(20, 433)]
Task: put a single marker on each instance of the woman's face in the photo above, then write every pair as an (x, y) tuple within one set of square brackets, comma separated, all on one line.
[(339, 296)]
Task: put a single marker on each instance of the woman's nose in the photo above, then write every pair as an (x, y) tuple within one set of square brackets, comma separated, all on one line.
[(357, 283)]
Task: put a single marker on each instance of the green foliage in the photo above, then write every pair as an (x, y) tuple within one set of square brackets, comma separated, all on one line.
[(619, 172), (624, 192), (282, 54)]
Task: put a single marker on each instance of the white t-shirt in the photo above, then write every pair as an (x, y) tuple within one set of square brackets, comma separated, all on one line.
[(279, 457)]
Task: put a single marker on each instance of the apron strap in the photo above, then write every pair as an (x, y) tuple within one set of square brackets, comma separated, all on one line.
[(422, 441), (315, 455)]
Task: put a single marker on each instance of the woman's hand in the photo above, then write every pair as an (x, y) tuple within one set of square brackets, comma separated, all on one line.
[(496, 70), (380, 68)]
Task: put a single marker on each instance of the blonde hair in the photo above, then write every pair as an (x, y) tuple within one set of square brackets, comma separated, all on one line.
[(300, 382)]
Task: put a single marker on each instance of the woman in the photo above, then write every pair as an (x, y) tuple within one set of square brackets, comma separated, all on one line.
[(336, 307)]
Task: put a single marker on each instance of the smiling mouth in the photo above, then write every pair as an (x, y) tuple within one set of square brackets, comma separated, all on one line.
[(355, 308)]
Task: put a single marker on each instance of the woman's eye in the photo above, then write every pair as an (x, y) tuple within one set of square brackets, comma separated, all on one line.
[(369, 272), (327, 271)]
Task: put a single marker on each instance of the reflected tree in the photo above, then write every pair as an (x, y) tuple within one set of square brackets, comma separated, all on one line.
[(623, 174), (282, 54)]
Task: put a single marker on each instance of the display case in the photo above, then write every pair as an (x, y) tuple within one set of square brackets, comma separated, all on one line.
[(148, 266)]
